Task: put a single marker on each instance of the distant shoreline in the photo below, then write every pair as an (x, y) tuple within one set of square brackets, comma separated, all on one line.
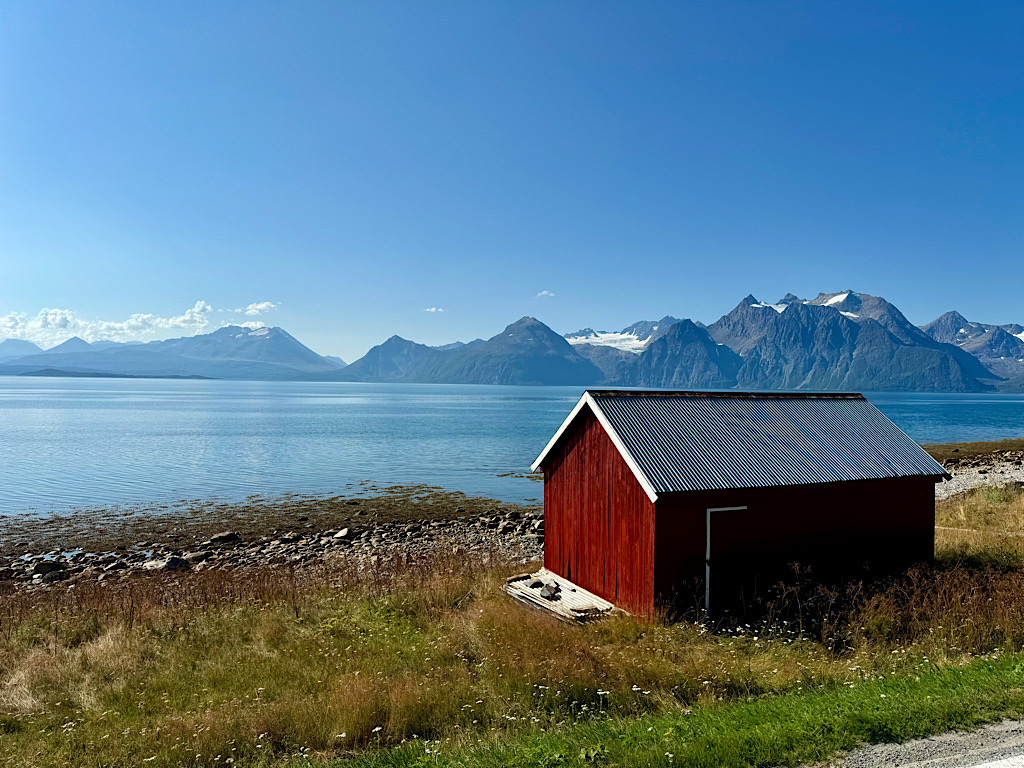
[(59, 374)]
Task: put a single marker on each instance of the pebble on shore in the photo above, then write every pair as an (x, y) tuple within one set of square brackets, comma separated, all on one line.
[(516, 534), (999, 468), (511, 533)]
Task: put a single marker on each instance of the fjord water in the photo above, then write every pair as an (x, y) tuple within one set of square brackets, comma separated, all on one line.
[(96, 442)]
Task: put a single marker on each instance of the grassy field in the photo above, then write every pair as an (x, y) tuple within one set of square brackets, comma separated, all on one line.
[(431, 664), (984, 526)]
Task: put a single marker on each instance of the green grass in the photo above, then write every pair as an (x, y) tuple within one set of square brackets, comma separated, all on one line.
[(797, 728)]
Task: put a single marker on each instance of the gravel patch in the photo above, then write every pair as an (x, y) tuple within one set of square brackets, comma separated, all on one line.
[(999, 743), (966, 478), (400, 526)]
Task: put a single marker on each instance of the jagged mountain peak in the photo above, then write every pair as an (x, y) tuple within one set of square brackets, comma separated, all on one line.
[(687, 329), (644, 330), (996, 346), (841, 297), (582, 333), (995, 342), (952, 328), (633, 338)]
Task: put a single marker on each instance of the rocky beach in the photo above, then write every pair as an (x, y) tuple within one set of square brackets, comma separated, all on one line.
[(975, 471), (397, 525), (366, 527)]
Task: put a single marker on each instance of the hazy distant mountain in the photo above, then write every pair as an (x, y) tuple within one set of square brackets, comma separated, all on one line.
[(263, 345), (74, 344), (526, 352), (338, 362), (389, 361), (106, 344), (229, 353), (17, 348)]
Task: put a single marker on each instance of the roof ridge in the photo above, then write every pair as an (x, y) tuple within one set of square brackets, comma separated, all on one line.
[(726, 394)]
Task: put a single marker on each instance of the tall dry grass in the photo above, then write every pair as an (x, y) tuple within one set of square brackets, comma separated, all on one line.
[(214, 666), (984, 525)]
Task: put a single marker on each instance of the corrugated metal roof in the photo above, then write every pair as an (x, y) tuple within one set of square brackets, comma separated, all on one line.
[(699, 441)]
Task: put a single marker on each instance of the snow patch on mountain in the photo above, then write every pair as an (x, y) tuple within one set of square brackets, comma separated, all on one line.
[(633, 338), (628, 342), (261, 331), (780, 308)]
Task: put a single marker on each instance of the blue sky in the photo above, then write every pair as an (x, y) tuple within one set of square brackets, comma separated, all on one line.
[(356, 164)]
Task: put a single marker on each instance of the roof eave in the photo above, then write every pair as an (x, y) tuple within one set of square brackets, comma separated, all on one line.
[(589, 401), (561, 430)]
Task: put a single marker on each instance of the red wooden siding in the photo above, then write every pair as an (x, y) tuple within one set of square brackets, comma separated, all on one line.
[(599, 522), (854, 530)]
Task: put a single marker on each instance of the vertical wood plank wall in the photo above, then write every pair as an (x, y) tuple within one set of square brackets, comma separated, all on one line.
[(598, 521), (837, 528)]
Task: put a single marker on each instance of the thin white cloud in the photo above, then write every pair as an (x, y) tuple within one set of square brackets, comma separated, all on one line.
[(433, 309), (545, 295), (258, 307), (52, 326), (253, 324)]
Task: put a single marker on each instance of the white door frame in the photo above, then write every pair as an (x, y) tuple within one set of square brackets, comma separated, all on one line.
[(707, 553)]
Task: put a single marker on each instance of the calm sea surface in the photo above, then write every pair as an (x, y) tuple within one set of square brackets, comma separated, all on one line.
[(94, 442)]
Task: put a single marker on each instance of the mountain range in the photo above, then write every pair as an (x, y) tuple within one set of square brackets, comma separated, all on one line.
[(835, 341), (232, 352)]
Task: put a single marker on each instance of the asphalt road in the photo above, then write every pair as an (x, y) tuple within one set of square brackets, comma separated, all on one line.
[(994, 746)]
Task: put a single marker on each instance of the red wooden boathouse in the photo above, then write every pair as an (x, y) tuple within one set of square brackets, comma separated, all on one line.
[(706, 499)]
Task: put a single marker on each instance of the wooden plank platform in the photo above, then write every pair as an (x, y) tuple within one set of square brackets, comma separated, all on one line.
[(561, 598)]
